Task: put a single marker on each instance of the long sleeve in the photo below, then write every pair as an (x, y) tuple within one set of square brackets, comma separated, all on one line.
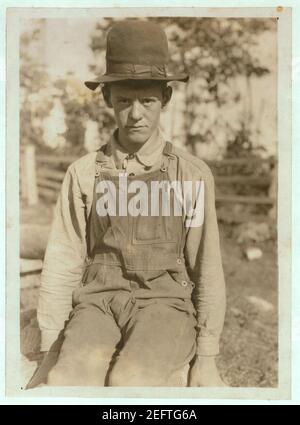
[(64, 259), (203, 255)]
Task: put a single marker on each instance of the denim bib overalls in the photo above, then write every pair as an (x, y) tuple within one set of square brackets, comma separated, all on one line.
[(147, 250)]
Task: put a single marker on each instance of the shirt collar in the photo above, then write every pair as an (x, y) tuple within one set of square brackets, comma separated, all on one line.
[(147, 155)]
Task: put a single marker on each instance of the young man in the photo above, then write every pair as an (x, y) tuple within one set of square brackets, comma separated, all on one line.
[(146, 286)]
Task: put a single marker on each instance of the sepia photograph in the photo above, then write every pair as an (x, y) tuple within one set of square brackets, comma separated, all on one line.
[(148, 201)]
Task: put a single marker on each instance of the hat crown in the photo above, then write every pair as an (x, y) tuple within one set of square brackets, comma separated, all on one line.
[(136, 50), (137, 42)]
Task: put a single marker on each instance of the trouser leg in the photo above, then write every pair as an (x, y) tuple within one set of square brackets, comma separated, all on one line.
[(90, 340), (159, 342)]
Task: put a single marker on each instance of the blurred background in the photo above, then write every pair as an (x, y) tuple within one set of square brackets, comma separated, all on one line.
[(225, 115)]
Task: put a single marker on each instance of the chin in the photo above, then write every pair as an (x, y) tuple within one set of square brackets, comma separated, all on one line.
[(137, 140)]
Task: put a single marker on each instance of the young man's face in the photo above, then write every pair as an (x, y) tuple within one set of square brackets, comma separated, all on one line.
[(137, 107)]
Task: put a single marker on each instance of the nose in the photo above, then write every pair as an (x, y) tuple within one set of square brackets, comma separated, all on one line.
[(136, 112)]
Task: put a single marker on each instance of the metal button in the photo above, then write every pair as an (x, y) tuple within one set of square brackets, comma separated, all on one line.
[(178, 261), (131, 156), (184, 283), (88, 260)]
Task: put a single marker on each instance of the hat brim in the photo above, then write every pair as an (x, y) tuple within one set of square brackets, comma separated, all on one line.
[(92, 85)]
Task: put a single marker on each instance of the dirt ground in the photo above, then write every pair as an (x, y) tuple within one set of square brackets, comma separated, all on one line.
[(249, 341)]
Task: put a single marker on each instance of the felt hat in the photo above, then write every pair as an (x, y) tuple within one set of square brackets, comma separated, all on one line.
[(136, 50)]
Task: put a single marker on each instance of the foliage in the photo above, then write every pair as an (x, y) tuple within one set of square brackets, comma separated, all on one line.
[(35, 101), (81, 105), (241, 144)]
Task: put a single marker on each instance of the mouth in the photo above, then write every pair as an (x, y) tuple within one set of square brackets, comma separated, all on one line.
[(135, 127)]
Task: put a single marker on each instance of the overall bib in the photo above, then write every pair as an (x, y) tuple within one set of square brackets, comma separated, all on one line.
[(133, 322)]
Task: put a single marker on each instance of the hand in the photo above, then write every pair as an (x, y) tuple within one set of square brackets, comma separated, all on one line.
[(39, 357), (204, 373)]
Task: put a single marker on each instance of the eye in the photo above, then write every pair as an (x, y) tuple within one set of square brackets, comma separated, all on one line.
[(124, 101), (147, 101)]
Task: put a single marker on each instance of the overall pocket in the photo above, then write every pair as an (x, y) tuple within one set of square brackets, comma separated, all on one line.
[(152, 230)]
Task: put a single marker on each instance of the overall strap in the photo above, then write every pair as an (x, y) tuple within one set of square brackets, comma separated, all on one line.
[(101, 160), (167, 157)]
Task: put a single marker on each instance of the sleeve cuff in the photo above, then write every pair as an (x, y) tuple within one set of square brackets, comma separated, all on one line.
[(48, 338), (207, 346)]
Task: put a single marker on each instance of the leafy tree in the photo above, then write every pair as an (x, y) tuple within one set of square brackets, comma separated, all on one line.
[(33, 79)]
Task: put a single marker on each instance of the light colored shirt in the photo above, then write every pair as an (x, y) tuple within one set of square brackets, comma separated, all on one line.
[(66, 252), (142, 161)]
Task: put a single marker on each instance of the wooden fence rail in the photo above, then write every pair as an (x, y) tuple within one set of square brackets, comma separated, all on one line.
[(43, 182), (241, 161), (259, 181), (51, 174), (47, 159), (239, 199)]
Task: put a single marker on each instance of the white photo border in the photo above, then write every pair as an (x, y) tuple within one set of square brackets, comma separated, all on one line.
[(189, 395)]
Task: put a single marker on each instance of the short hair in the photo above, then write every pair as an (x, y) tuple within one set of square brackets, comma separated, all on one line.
[(135, 83)]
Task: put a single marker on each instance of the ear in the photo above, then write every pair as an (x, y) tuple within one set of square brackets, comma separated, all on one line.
[(167, 94), (106, 95)]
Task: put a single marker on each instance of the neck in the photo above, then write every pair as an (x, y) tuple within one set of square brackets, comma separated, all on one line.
[(134, 147)]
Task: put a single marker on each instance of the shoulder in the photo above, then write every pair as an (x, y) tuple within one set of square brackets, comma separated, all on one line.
[(83, 163), (81, 172), (192, 164)]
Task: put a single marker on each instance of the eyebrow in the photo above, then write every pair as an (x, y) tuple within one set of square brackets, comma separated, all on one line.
[(120, 97), (123, 97)]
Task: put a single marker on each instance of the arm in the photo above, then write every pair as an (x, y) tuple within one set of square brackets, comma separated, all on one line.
[(203, 255), (63, 263)]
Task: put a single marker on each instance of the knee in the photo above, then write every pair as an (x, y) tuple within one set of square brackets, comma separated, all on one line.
[(67, 378), (56, 378), (130, 375), (124, 378)]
